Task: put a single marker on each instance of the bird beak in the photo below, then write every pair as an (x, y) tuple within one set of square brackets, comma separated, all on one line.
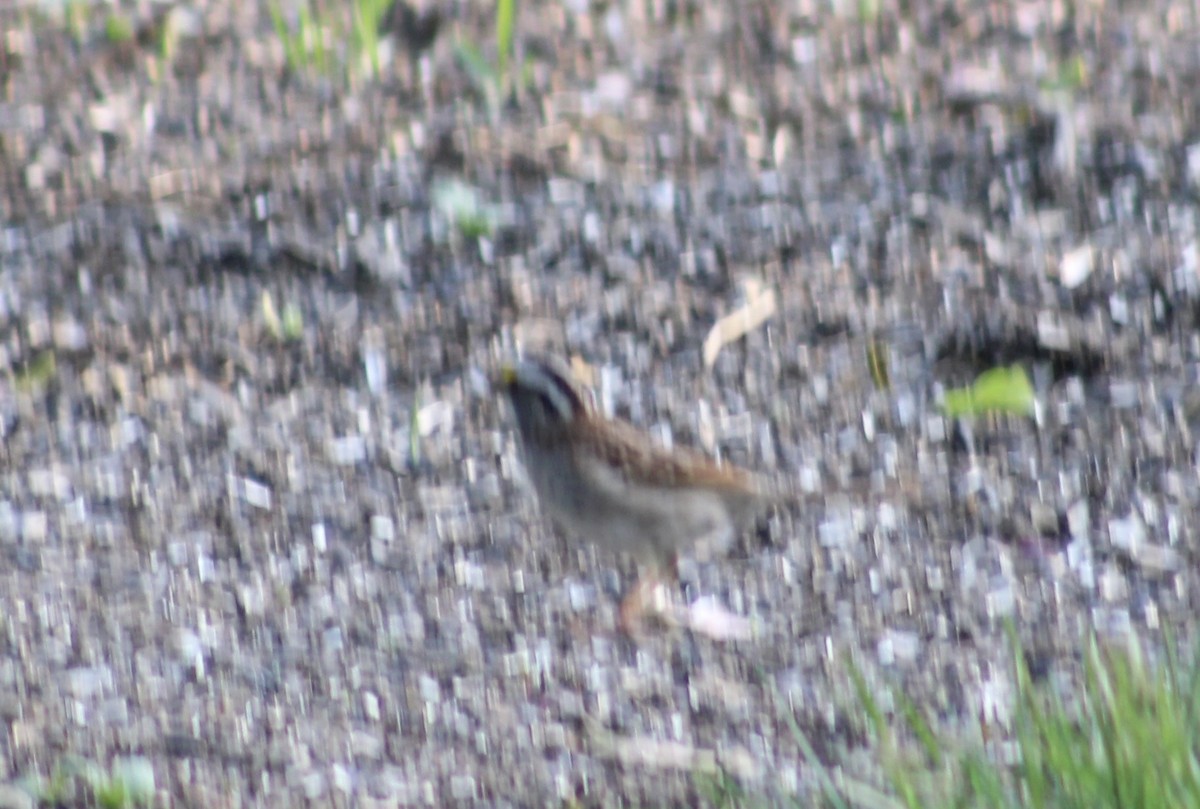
[(507, 377)]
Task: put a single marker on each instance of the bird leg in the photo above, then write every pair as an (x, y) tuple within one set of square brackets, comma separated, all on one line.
[(634, 604)]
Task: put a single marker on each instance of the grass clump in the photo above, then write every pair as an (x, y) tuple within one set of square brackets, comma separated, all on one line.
[(308, 40), (496, 78), (1130, 737), (128, 783), (1127, 736)]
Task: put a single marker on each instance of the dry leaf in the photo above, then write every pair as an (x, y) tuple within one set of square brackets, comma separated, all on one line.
[(709, 617), (758, 308)]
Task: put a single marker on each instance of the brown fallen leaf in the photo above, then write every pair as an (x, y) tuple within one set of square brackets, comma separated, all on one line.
[(759, 306)]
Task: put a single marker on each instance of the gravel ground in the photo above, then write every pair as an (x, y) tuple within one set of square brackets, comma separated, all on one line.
[(243, 559)]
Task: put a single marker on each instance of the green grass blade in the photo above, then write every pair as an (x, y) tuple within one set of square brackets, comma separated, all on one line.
[(506, 12)]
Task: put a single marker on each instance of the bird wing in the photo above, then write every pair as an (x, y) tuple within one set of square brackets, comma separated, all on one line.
[(642, 461)]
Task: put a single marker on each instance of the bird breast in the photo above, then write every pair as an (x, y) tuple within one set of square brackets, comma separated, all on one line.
[(594, 502)]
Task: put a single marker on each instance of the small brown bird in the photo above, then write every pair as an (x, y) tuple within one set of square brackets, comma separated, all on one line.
[(605, 482)]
